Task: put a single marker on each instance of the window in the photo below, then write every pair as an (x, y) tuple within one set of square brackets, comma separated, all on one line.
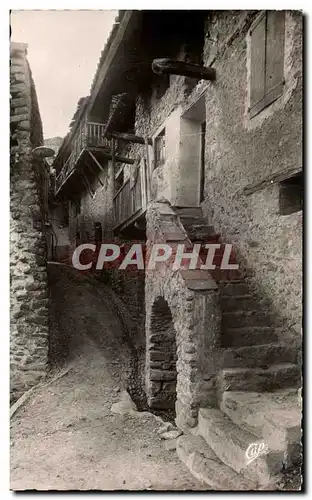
[(267, 60), (291, 195), (160, 149)]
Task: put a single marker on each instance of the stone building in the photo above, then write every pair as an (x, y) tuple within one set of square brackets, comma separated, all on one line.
[(192, 133), (29, 177)]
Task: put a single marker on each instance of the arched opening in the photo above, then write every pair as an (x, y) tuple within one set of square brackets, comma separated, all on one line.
[(162, 355)]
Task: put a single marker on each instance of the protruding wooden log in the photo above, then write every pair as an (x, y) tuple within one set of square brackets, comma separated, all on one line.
[(119, 159), (173, 67), (130, 138)]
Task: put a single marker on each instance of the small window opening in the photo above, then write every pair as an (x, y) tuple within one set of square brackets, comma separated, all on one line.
[(291, 195), (160, 143)]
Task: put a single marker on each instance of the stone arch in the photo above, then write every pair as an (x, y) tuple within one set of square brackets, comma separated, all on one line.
[(162, 356), (194, 318)]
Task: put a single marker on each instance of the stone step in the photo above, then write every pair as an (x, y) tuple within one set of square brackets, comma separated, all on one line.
[(199, 232), (248, 336), (230, 303), (237, 319), (275, 417), (230, 443), (229, 275), (275, 377), (233, 288), (190, 222), (208, 468), (261, 356), (188, 211)]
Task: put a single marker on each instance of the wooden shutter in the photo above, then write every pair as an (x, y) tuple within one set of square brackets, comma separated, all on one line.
[(274, 68), (267, 60), (257, 57)]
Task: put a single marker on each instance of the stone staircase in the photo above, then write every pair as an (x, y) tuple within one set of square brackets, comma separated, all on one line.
[(257, 386)]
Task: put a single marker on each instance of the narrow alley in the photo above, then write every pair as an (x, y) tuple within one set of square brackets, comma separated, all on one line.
[(65, 436)]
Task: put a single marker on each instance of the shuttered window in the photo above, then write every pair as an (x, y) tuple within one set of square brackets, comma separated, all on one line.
[(267, 60)]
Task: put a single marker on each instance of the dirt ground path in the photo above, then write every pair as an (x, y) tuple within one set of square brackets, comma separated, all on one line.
[(65, 437)]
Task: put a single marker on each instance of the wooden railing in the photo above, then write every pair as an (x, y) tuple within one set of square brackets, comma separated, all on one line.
[(128, 200), (95, 135), (88, 134)]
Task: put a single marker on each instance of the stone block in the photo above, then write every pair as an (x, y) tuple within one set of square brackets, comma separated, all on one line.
[(164, 375), (159, 356), (208, 468), (19, 118), (24, 125), (231, 442), (258, 379), (17, 88)]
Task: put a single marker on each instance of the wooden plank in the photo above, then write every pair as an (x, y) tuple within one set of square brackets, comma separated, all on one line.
[(275, 36), (91, 192), (191, 70), (271, 179), (119, 159), (122, 225), (257, 61), (95, 173), (149, 173), (131, 138), (95, 160)]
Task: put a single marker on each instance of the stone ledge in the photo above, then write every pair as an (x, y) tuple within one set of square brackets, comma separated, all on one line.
[(198, 279), (203, 463)]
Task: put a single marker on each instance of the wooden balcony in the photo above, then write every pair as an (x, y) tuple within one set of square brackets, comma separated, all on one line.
[(90, 136), (131, 199)]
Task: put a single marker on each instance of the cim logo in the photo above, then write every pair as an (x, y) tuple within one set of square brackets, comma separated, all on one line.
[(254, 451)]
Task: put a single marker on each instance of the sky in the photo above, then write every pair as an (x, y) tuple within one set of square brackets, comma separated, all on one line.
[(64, 48)]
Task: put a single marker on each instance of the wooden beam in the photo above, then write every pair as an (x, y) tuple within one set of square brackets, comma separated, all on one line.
[(148, 192), (269, 180), (95, 161), (119, 159), (130, 138), (173, 67), (96, 175), (87, 184)]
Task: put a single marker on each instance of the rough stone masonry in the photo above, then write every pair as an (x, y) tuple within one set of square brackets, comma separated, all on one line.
[(28, 273)]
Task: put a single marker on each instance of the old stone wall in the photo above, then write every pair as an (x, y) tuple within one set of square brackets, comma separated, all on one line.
[(242, 152), (244, 158), (99, 208), (29, 289), (182, 328)]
